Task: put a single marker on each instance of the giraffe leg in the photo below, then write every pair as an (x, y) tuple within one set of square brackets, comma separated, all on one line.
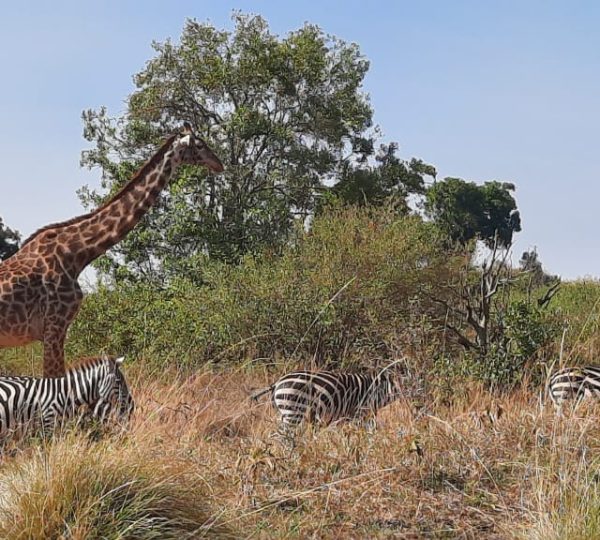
[(54, 352)]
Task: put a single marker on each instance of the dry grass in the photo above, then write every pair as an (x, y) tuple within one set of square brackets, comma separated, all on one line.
[(76, 489), (485, 467)]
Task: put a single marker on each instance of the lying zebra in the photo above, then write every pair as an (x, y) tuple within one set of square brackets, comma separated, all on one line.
[(325, 396), (574, 383), (30, 403)]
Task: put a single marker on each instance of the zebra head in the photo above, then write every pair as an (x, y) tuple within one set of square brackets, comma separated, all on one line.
[(388, 387), (113, 391)]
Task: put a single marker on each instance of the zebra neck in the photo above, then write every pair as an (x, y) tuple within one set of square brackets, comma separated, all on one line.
[(77, 387), (370, 391), (380, 393)]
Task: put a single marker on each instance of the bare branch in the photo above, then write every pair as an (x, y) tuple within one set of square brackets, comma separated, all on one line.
[(461, 338), (549, 294), (450, 308)]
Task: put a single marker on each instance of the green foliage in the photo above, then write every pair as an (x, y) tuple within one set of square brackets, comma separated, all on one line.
[(9, 241), (350, 288), (526, 330), (390, 180), (466, 211), (284, 115)]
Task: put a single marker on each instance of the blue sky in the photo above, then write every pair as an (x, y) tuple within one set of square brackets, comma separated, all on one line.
[(483, 90)]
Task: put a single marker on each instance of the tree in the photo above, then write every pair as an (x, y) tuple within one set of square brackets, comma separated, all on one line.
[(389, 179), (9, 241), (285, 115), (499, 332), (465, 211), (531, 264), (474, 300)]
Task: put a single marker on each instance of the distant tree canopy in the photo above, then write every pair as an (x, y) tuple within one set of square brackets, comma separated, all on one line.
[(286, 115), (290, 121), (9, 241), (465, 210), (530, 263), (389, 179)]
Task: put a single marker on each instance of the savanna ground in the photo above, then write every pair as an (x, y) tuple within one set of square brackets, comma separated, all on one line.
[(477, 454), (200, 461)]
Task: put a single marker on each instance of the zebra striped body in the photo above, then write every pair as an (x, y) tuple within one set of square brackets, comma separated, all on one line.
[(326, 396), (34, 402), (574, 383)]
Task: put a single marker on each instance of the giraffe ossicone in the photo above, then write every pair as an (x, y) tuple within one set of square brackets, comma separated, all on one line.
[(39, 292)]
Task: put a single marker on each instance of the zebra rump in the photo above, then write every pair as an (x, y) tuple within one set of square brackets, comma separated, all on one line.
[(37, 402), (326, 396), (574, 383)]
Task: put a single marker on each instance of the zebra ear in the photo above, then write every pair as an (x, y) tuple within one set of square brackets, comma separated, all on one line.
[(119, 361)]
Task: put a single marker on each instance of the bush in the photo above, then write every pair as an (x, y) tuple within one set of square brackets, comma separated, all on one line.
[(522, 335), (350, 287)]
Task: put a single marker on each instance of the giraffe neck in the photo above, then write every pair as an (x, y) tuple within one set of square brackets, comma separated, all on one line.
[(97, 232)]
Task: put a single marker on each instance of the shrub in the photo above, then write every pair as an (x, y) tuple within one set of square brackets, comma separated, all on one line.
[(521, 334), (350, 287)]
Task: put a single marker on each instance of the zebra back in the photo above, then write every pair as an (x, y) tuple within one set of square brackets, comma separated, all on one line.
[(326, 396), (574, 383)]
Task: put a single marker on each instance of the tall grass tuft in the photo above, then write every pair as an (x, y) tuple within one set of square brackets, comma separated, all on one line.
[(81, 490)]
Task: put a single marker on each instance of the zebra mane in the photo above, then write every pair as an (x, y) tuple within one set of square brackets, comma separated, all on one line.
[(91, 361)]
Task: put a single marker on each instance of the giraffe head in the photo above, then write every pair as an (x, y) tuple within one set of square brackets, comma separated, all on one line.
[(194, 151)]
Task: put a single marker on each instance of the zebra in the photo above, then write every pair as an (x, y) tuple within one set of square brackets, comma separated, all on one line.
[(574, 382), (324, 397), (38, 402)]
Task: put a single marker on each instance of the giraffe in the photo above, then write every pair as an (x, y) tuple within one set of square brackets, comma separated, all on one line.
[(39, 291)]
